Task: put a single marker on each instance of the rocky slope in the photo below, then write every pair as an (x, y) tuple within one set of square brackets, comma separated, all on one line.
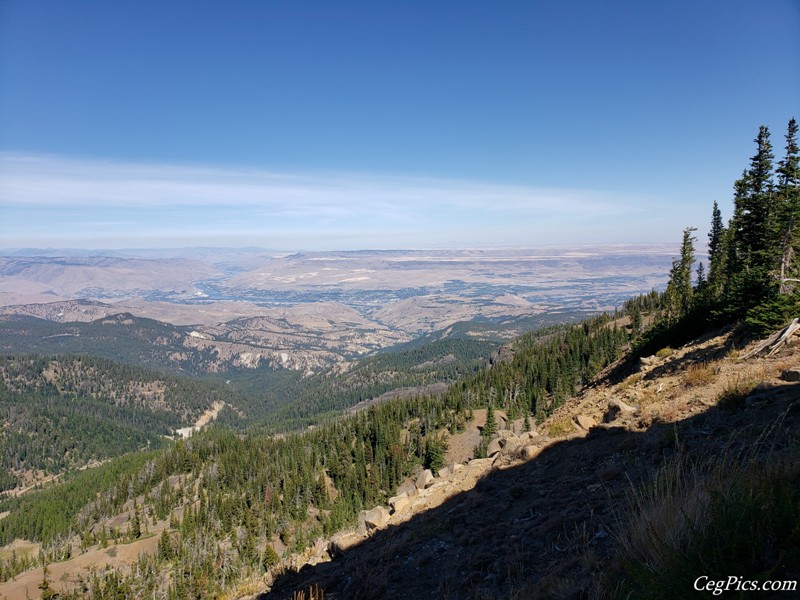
[(546, 514)]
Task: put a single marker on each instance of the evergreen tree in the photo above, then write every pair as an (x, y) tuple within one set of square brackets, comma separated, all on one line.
[(679, 291), (636, 320), (717, 254), (435, 450), (755, 237), (715, 234), (701, 276), (490, 427), (789, 204), (47, 593)]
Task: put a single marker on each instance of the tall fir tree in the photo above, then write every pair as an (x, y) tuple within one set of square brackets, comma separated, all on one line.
[(788, 190), (717, 254), (754, 233), (679, 293)]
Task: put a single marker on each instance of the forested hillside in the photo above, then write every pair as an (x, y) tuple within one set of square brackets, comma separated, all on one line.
[(227, 498), (62, 413), (122, 338), (303, 401)]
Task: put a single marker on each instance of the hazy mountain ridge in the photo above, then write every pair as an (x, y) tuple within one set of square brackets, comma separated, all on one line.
[(227, 309), (368, 281)]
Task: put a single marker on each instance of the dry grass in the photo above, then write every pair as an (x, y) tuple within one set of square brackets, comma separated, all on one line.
[(725, 512), (665, 352), (630, 382), (314, 593), (660, 511), (700, 374), (736, 390), (560, 426), (647, 396)]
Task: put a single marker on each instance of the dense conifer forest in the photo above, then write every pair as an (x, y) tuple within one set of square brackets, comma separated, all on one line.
[(61, 413)]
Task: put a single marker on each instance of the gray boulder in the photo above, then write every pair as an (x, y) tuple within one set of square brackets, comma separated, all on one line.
[(616, 409), (494, 447), (425, 480)]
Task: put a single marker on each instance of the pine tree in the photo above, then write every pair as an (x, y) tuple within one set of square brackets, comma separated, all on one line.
[(47, 593), (755, 239), (491, 424), (717, 254), (715, 234), (789, 205), (679, 292), (701, 275), (636, 320)]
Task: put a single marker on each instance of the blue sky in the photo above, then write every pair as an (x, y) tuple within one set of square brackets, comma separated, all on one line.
[(346, 125)]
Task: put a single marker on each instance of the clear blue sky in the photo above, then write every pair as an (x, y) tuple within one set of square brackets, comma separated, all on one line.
[(326, 125)]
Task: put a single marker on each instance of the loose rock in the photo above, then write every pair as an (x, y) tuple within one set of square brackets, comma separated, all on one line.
[(585, 422), (791, 375), (425, 480)]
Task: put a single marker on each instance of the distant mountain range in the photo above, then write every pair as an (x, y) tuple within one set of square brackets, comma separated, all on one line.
[(309, 310)]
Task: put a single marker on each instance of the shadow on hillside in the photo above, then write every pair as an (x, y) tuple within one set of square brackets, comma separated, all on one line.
[(631, 365), (545, 528)]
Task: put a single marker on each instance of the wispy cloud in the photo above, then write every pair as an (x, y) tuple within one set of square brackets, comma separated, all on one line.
[(105, 198)]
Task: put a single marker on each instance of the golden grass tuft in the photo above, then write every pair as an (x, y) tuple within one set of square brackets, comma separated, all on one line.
[(700, 374), (314, 593), (630, 382), (560, 426), (722, 513), (735, 391), (647, 397)]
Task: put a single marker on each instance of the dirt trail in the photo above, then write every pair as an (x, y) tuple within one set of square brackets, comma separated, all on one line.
[(205, 419)]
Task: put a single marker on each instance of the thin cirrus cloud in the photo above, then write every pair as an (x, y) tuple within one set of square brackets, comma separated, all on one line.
[(52, 200)]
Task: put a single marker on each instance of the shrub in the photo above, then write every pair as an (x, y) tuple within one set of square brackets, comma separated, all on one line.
[(700, 374), (561, 426), (734, 393), (271, 557), (630, 381)]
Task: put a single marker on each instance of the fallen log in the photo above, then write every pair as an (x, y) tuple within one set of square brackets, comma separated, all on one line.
[(775, 341)]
